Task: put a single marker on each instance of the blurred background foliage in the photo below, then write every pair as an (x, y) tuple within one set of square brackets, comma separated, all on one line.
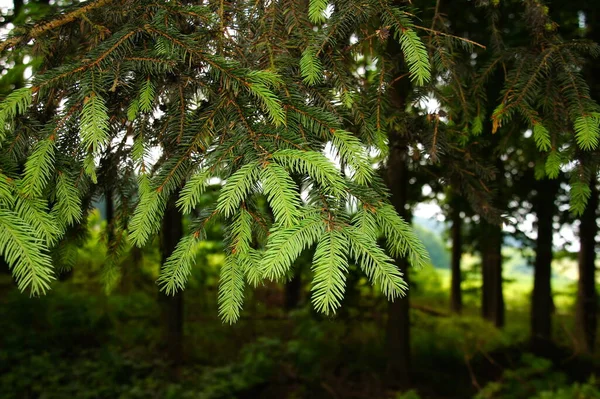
[(82, 341)]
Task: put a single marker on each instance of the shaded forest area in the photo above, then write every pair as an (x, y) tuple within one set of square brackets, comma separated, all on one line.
[(299, 199)]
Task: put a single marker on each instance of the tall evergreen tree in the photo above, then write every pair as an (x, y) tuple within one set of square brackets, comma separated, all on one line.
[(586, 313), (542, 305)]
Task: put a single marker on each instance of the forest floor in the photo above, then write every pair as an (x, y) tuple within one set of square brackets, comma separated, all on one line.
[(84, 344)]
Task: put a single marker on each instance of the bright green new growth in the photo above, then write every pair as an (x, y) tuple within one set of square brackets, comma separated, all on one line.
[(231, 289), (39, 168), (542, 137), (281, 192), (316, 10), (310, 67), (15, 103), (189, 198), (26, 256), (148, 214), (330, 267), (237, 187), (313, 164), (178, 267), (93, 124)]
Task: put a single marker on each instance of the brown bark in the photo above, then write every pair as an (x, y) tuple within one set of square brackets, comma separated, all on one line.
[(541, 303), (43, 27), (491, 257), (587, 298), (172, 305)]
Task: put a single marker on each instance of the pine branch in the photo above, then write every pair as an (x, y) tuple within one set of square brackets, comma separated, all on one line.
[(376, 264), (178, 267), (401, 238), (148, 214), (315, 165), (231, 290), (285, 245), (44, 27), (39, 168), (236, 188), (26, 257), (190, 195), (94, 123), (330, 267), (282, 193)]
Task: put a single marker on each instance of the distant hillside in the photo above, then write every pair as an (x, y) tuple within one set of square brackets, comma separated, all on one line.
[(431, 233)]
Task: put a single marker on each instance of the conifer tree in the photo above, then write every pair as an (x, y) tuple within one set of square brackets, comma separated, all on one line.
[(222, 85)]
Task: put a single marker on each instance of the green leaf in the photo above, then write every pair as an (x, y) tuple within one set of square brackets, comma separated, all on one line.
[(133, 109), (68, 204), (416, 56), (241, 233), (553, 164), (258, 85), (15, 103), (477, 126), (365, 222), (251, 263), (39, 168), (580, 193), (89, 167), (147, 93), (34, 212), (7, 197)]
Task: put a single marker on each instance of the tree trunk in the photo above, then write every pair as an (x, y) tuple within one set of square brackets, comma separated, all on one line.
[(293, 290), (541, 303), (456, 278), (398, 325), (587, 306), (491, 257), (172, 305)]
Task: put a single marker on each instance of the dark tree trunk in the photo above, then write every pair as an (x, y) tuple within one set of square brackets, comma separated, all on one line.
[(172, 305), (541, 303), (293, 290), (587, 306), (398, 325), (456, 277), (491, 257)]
